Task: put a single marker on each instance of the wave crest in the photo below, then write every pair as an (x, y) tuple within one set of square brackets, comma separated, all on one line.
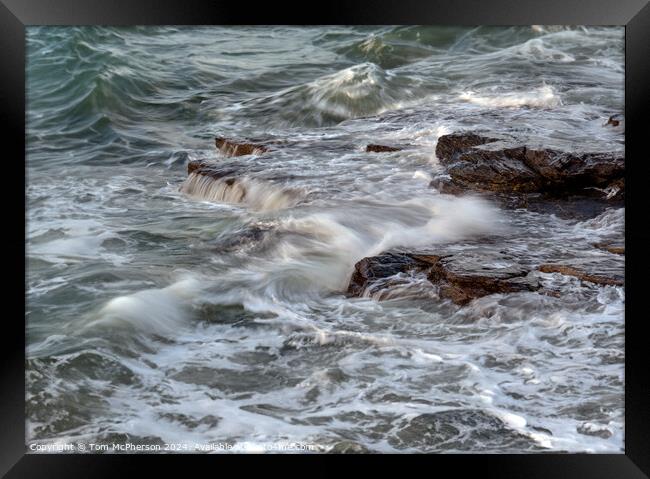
[(361, 90)]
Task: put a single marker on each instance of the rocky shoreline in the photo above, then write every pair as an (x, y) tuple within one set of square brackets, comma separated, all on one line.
[(502, 167)]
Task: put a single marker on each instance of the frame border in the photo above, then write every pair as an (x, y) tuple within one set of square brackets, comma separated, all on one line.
[(634, 14)]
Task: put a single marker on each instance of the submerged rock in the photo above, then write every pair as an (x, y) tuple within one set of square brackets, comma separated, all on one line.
[(349, 447), (615, 249), (505, 165), (597, 430), (563, 206), (373, 148), (615, 120), (459, 429), (581, 275), (460, 277), (239, 148), (213, 170)]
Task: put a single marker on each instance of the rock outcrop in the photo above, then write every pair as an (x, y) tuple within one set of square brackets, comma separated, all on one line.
[(502, 164), (581, 275), (214, 171), (374, 148), (239, 148), (459, 277)]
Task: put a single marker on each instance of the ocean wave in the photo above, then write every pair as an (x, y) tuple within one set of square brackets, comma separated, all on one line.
[(384, 51), (357, 91)]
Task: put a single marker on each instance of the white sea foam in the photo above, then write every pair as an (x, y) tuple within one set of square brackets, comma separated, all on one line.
[(259, 344), (542, 97), (330, 243), (160, 311)]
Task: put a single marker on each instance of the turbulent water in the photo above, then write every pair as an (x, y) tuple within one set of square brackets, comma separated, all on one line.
[(162, 310)]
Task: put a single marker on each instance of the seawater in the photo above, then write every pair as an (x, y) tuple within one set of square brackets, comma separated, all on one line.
[(162, 309)]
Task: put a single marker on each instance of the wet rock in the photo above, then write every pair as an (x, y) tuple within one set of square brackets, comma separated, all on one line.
[(460, 277), (581, 275), (373, 148), (190, 421), (614, 120), (253, 235), (563, 206), (211, 169), (459, 429), (506, 165), (349, 447), (615, 249), (617, 122), (596, 430), (374, 268), (195, 165), (239, 148)]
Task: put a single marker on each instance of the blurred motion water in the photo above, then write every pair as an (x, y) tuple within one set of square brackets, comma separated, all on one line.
[(165, 310)]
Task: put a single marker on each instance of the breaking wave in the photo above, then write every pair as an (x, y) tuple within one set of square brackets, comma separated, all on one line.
[(255, 194), (361, 90)]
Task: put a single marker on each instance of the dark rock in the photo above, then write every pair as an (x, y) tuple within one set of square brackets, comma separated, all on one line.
[(581, 275), (506, 165), (577, 207), (371, 269), (459, 429), (614, 120), (460, 277), (239, 148), (449, 145), (381, 148), (246, 237)]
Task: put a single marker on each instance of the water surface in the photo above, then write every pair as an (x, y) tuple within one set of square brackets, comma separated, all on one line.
[(158, 316)]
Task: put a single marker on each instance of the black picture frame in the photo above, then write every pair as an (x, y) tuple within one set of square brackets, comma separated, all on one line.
[(15, 461)]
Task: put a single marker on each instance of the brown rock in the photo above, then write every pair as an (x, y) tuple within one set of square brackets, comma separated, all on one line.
[(372, 148), (581, 275), (461, 284), (369, 270), (505, 165), (459, 277), (237, 148), (195, 165), (615, 120), (611, 248), (216, 171), (449, 145)]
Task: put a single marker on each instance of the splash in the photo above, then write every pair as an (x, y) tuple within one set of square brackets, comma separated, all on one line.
[(255, 194), (161, 311)]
